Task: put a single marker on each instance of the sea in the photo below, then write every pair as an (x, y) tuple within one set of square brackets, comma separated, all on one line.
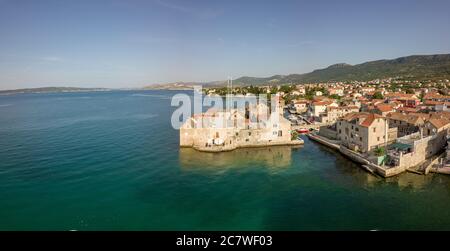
[(111, 160)]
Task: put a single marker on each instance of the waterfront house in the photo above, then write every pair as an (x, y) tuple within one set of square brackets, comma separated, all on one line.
[(406, 124), (414, 149), (363, 131)]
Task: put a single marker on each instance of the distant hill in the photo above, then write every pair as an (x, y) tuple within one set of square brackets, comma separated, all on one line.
[(414, 67), (171, 86), (182, 85)]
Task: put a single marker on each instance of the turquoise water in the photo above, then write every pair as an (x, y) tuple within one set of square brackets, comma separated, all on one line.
[(111, 161)]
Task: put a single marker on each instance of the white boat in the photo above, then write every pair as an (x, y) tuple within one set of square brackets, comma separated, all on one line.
[(218, 141)]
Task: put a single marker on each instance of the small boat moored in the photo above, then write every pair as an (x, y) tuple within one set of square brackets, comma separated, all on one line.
[(303, 130)]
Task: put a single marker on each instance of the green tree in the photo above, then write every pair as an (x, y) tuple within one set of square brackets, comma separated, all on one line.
[(294, 135), (380, 151), (335, 96), (286, 88), (273, 90), (377, 95)]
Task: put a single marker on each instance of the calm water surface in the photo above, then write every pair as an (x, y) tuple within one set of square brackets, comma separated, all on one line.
[(111, 161)]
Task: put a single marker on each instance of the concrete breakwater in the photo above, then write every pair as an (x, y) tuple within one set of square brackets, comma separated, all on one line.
[(358, 158)]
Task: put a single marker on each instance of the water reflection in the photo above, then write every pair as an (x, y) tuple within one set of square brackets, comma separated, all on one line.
[(411, 180), (270, 157), (350, 174)]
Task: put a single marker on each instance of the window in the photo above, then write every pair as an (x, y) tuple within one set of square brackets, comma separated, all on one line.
[(374, 129), (378, 138), (340, 131), (249, 133), (360, 138), (357, 129), (280, 133)]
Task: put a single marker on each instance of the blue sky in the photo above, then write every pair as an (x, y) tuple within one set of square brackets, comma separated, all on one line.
[(133, 43)]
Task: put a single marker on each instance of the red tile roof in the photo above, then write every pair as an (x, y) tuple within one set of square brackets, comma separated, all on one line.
[(400, 95), (435, 95), (368, 118), (439, 122), (384, 107), (411, 119)]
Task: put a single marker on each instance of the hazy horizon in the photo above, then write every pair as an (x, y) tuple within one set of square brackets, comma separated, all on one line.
[(118, 44)]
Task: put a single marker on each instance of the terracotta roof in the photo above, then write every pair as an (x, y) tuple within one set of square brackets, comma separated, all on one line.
[(369, 119), (400, 95), (435, 95), (431, 102), (408, 98), (441, 114), (411, 119), (322, 103), (439, 122), (384, 107), (365, 119), (407, 109), (342, 107), (424, 116), (377, 101), (396, 103)]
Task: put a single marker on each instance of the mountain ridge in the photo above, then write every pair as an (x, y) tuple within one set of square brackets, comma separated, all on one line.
[(414, 66), (418, 67)]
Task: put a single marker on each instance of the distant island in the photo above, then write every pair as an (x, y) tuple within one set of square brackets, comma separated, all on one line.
[(51, 89), (417, 67)]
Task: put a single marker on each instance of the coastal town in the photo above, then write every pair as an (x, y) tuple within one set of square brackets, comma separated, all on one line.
[(388, 126)]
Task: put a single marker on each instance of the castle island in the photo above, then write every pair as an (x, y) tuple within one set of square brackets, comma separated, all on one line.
[(226, 130)]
